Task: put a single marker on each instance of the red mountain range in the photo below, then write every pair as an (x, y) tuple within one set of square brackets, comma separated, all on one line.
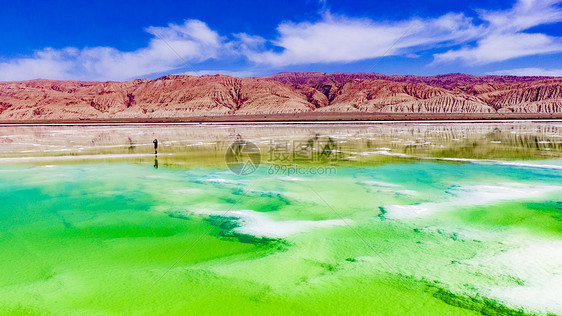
[(292, 94)]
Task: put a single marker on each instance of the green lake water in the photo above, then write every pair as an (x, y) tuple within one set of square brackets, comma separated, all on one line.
[(374, 219)]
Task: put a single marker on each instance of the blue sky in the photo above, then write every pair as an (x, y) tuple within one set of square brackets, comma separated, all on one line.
[(122, 40)]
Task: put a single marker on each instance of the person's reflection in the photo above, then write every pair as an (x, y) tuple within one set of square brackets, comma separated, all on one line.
[(155, 161), (131, 145)]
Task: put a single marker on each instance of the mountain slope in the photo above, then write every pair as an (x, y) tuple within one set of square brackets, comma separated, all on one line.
[(284, 93)]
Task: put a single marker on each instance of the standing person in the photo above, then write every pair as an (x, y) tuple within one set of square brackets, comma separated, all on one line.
[(155, 142)]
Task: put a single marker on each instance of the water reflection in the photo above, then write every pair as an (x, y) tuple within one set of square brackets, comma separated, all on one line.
[(205, 145), (131, 145)]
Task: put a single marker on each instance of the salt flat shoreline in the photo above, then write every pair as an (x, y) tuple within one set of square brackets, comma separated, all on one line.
[(302, 118), (283, 123)]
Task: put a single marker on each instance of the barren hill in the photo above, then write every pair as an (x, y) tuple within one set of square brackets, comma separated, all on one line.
[(178, 96)]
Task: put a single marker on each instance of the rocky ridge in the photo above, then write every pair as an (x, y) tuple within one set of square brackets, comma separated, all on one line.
[(283, 93)]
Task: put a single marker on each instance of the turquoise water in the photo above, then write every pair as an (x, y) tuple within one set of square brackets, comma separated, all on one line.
[(388, 230)]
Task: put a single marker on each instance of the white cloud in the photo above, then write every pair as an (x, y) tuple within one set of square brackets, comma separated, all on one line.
[(524, 15), (529, 72), (503, 37), (499, 47), (343, 39), (171, 47)]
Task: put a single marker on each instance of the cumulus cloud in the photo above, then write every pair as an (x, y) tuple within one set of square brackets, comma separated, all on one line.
[(496, 36), (499, 47), (503, 36), (340, 39), (344, 39), (529, 72), (169, 48)]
